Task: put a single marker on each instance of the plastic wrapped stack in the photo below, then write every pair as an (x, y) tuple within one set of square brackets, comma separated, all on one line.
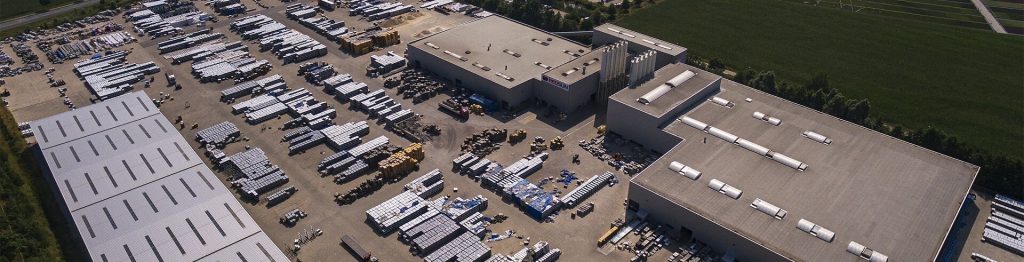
[(254, 103), (289, 45), (388, 215), (266, 84), (255, 173), (281, 195), (369, 145), (108, 77), (427, 185), (460, 208), (306, 15), (346, 136), (382, 64), (188, 40), (218, 135), (346, 91), (432, 233), (586, 189), (466, 247)]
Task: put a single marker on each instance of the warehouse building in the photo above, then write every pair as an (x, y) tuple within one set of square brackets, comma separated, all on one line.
[(515, 64), (498, 57), (759, 178), (136, 191)]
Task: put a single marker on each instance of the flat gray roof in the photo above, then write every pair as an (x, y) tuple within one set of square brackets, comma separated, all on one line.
[(631, 36), (511, 44), (674, 97), (579, 68), (889, 195), (137, 191)]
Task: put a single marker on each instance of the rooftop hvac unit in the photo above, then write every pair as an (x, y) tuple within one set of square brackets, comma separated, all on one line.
[(722, 102), (766, 118), (725, 189), (664, 88), (768, 208), (817, 137), (815, 230), (684, 170), (694, 123), (866, 253), (432, 45)]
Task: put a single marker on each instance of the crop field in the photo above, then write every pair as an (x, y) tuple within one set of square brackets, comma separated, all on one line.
[(1010, 14), (965, 82), (14, 8)]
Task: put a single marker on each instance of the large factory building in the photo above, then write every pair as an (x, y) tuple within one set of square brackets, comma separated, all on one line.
[(753, 176), (760, 178)]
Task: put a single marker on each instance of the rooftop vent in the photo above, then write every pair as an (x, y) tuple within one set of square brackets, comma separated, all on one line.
[(485, 68), (614, 30), (728, 137), (766, 118), (694, 123), (540, 42), (815, 230), (629, 35), (432, 45), (664, 88), (512, 53), (866, 253), (722, 102), (753, 147), (725, 189), (684, 170), (788, 161), (569, 72), (817, 137), (664, 46), (570, 53), (769, 209), (457, 56), (506, 77), (542, 65), (591, 62), (648, 41)]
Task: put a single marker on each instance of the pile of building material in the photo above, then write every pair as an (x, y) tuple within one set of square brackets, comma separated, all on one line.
[(218, 135), (537, 202), (201, 51), (110, 76), (317, 72), (306, 110), (358, 43), (376, 9), (432, 234), (1005, 226), (420, 86), (88, 46), (631, 163), (382, 64), (188, 40), (292, 217), (460, 209), (427, 185), (347, 136), (401, 163), (270, 84), (540, 252), (306, 15), (465, 247), (289, 45), (227, 7), (485, 142), (280, 196), (379, 105), (388, 215), (435, 4), (165, 17), (254, 174), (233, 62), (586, 189)]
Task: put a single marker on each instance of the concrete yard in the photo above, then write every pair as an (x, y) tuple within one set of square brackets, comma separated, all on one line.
[(199, 103)]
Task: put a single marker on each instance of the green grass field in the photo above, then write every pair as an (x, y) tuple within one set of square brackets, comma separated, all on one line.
[(966, 82), (14, 8)]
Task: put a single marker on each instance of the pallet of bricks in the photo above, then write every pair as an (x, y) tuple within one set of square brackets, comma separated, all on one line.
[(254, 174), (427, 185), (306, 15), (218, 135), (270, 84), (432, 233), (586, 189), (466, 247), (1005, 225), (388, 215)]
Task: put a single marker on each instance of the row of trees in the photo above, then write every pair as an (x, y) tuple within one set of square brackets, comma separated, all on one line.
[(25, 233), (559, 15), (1000, 173)]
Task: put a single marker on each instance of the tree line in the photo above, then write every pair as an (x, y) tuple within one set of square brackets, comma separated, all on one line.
[(1000, 173), (559, 15)]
